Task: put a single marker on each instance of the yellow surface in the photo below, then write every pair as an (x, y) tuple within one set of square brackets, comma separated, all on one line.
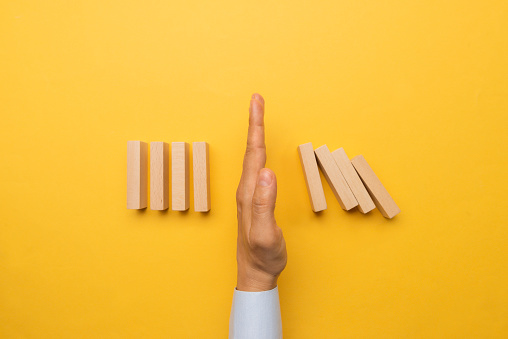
[(419, 88)]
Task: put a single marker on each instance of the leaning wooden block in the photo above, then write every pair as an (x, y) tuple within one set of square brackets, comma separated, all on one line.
[(335, 179), (365, 203), (312, 179), (180, 176), (201, 174), (159, 175), (137, 158), (377, 191)]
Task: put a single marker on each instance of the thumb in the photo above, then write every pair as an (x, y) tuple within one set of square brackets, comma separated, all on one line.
[(263, 205)]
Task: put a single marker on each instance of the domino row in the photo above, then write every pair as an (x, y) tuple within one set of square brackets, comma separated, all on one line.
[(353, 183), (137, 171)]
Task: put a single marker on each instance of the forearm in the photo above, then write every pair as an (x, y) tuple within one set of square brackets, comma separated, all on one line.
[(255, 315)]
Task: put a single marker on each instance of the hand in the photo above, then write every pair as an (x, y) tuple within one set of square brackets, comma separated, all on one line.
[(261, 250)]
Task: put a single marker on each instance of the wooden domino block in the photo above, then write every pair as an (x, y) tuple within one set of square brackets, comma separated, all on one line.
[(159, 175), (335, 178), (180, 176), (137, 170), (377, 191), (312, 179), (365, 203), (201, 174)]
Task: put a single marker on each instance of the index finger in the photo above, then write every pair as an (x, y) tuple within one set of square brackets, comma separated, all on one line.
[(255, 154)]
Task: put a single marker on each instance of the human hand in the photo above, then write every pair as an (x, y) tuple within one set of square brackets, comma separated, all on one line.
[(261, 249)]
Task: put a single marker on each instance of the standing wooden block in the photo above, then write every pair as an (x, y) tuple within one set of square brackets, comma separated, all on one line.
[(159, 175), (312, 179), (335, 179), (180, 176), (378, 192), (137, 163), (365, 203), (201, 174)]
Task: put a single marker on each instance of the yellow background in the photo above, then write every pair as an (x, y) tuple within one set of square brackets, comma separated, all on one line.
[(419, 88)]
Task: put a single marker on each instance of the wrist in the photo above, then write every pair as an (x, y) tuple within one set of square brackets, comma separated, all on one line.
[(255, 286), (251, 280)]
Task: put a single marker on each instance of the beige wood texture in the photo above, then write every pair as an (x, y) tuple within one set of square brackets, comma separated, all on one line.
[(137, 170), (180, 176), (201, 175), (377, 191), (335, 178), (365, 203), (159, 175), (312, 178)]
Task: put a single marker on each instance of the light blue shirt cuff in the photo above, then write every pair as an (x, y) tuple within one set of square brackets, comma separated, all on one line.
[(255, 315)]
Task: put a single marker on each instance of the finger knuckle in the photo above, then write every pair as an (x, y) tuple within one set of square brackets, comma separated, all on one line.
[(243, 198), (253, 149), (239, 197), (261, 205)]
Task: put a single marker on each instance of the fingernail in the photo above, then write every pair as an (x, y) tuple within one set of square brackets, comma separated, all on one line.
[(258, 98), (265, 178)]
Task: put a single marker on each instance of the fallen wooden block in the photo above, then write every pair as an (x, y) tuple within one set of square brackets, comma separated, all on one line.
[(137, 158), (365, 203), (335, 179), (377, 191), (312, 179), (159, 175), (201, 174), (180, 176)]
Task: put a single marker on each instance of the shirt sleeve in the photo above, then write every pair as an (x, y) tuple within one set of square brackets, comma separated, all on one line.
[(255, 315)]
